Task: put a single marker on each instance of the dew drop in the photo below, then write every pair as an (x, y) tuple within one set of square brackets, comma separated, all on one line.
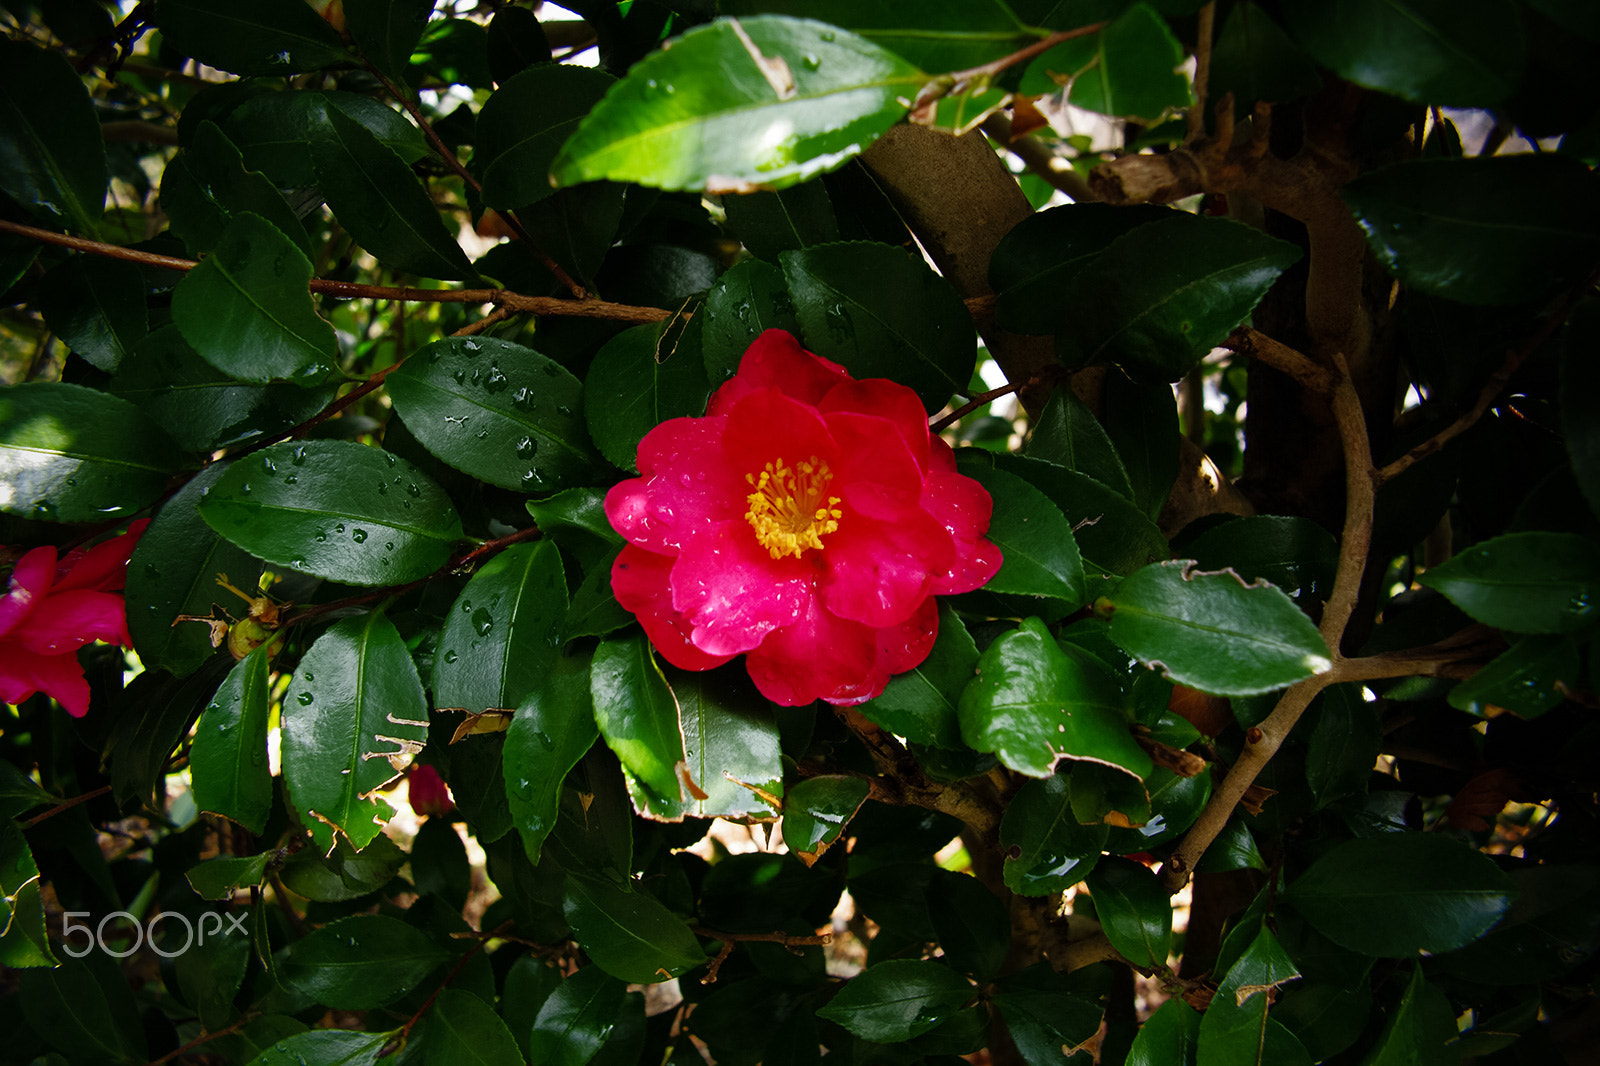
[(304, 699), (526, 447), (482, 621), (450, 656), (359, 535), (811, 62)]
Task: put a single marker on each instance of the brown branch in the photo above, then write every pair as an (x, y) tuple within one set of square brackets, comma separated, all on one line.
[(1257, 345), (67, 805), (1040, 161), (206, 1038), (1202, 73), (903, 782), (940, 425), (947, 83), (83, 244)]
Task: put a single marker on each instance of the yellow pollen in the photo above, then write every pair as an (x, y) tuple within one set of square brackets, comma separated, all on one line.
[(789, 509)]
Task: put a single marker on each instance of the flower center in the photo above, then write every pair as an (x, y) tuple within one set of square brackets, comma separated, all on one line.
[(790, 509)]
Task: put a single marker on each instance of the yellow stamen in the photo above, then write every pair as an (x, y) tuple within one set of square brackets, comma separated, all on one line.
[(789, 509)]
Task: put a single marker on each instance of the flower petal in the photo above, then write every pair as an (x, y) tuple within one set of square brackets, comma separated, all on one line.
[(822, 656), (876, 470), (903, 646), (639, 579), (103, 567), (767, 426), (734, 591), (776, 360), (879, 572), (887, 400), (964, 508), (22, 673), (684, 483), (30, 581), (66, 621)]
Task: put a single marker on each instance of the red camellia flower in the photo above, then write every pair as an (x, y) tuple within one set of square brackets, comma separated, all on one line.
[(54, 607), (806, 522)]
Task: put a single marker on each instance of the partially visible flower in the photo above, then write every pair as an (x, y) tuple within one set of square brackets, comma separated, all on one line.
[(53, 607), (427, 791), (806, 522)]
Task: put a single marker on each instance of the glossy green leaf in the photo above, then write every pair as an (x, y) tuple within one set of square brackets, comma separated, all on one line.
[(553, 728), (326, 1047), (730, 744), (1038, 551), (1237, 1027), (503, 632), (220, 878), (745, 302), (71, 454), (1175, 802), (1035, 703), (1212, 631), (1045, 1013), (516, 42), (1525, 582), (898, 1000), (354, 702), (1344, 746), (361, 962), (1254, 59), (346, 873), (524, 124), (767, 101), (1501, 231), (637, 713), (637, 381), (1233, 849), (24, 939), (1580, 379), (228, 758), (201, 407), (53, 160), (209, 972), (503, 413), (174, 572), (970, 923), (84, 1010), (1551, 928), (1141, 418), (1420, 1030), (335, 509), (463, 1030), (377, 198), (1047, 850), (817, 809), (1165, 293), (1068, 434), (1129, 69), (576, 1019), (1293, 553), (96, 307), (576, 520), (153, 715), (881, 314), (274, 131), (1400, 893), (934, 37), (274, 38), (1170, 1037), (920, 704), (594, 829), (1113, 535), (771, 223), (629, 935), (1531, 677), (246, 310), (386, 32), (207, 183), (1133, 909), (1464, 53)]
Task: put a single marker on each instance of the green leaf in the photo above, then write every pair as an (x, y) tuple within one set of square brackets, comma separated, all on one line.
[(1533, 676), (1236, 1028), (629, 935), (880, 313), (361, 962), (1344, 746), (154, 713), (83, 1010), (1047, 850), (745, 302), (345, 874), (971, 924), (576, 1019), (1525, 582), (516, 42), (1552, 927), (387, 31), (201, 407), (1175, 802), (228, 758), (635, 384), (463, 1030), (1254, 59), (1068, 434), (503, 413), (1580, 379), (220, 878), (1129, 69), (246, 310), (1165, 293), (897, 1000), (1496, 231), (1168, 1038), (920, 704), (1103, 794), (1035, 703), (375, 196), (638, 714), (1461, 53), (52, 157), (174, 572), (274, 131), (503, 632), (354, 701), (1133, 909), (1400, 893), (935, 37), (1142, 421), (325, 1047), (24, 940), (1295, 554), (1045, 1013), (1113, 535), (816, 810), (1038, 551), (1420, 1030), (730, 744), (1212, 631), (771, 223), (553, 728), (71, 454), (206, 184), (96, 307), (1234, 849), (335, 509), (706, 114), (523, 125), (263, 37)]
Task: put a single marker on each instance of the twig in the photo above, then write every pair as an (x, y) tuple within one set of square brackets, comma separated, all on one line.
[(976, 402), (1279, 356), (729, 940), (1202, 72), (399, 1039), (1040, 161), (947, 83), (67, 805), (206, 1038)]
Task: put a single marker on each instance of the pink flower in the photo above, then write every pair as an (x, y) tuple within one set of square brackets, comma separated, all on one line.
[(54, 607), (806, 522), (428, 793)]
